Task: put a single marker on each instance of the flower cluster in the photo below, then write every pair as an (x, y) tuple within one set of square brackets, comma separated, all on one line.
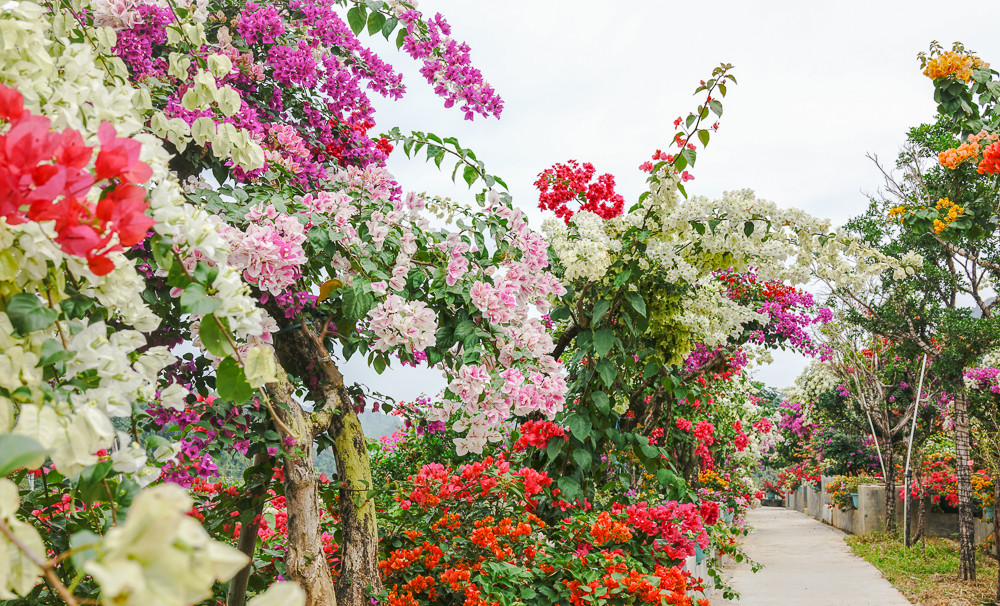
[(955, 64), (447, 65), (564, 183), (952, 212), (538, 434), (48, 175)]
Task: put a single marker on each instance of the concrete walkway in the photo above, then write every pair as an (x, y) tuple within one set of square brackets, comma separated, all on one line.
[(806, 563)]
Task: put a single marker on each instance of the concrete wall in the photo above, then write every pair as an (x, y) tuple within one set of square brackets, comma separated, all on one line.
[(870, 515)]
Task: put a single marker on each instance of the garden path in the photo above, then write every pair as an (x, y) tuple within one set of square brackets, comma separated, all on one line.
[(806, 563)]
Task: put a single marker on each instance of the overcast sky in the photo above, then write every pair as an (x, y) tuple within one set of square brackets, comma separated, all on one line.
[(820, 86)]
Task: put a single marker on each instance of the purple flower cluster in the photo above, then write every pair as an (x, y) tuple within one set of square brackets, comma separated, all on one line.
[(791, 325), (448, 66), (256, 24), (198, 439), (793, 419), (294, 66), (135, 45), (985, 378)]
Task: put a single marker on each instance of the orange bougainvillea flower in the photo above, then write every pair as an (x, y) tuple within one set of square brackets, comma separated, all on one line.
[(950, 63)]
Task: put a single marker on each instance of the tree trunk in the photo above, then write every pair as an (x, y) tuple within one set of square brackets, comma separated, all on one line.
[(237, 593), (305, 561), (359, 573), (996, 524), (966, 531), (890, 486)]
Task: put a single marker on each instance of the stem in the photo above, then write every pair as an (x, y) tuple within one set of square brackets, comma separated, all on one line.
[(47, 570)]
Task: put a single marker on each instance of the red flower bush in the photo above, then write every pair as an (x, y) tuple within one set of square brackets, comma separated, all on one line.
[(45, 175)]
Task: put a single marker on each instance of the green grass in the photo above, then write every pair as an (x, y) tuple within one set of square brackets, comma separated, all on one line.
[(929, 578)]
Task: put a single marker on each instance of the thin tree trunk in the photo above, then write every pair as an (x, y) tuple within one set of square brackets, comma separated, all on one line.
[(359, 573), (966, 531), (890, 485), (237, 594)]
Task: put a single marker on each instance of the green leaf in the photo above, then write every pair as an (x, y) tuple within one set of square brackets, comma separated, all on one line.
[(650, 369), (582, 458), (80, 556), (89, 484), (607, 370), (76, 306), (464, 329), (748, 228), (231, 383), (195, 300), (649, 451), (716, 107), (637, 303), (570, 487), (602, 402), (623, 277), (358, 301), (214, 335), (559, 313), (356, 19), (375, 23), (579, 426), (470, 174), (680, 162), (390, 24), (401, 37), (703, 136), (600, 308), (690, 155), (52, 352), (27, 314), (18, 451), (604, 340), (554, 448)]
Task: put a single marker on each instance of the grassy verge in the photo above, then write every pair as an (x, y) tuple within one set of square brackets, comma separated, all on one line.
[(929, 579)]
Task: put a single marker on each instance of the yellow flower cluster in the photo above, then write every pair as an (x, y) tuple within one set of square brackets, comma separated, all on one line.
[(898, 210), (712, 480), (954, 211), (982, 488), (953, 64), (951, 158)]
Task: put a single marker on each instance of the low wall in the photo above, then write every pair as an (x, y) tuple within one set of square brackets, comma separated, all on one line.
[(870, 515)]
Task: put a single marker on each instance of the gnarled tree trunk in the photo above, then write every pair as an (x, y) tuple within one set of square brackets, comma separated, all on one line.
[(966, 530), (359, 553), (305, 561)]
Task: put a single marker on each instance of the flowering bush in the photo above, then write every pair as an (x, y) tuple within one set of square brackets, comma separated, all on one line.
[(841, 488), (804, 473), (470, 535)]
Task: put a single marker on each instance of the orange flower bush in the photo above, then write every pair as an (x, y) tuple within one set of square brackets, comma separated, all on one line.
[(482, 544)]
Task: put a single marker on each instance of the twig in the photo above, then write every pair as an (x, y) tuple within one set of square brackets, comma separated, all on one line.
[(47, 570)]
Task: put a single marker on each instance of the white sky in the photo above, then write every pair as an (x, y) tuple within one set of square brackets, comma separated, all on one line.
[(820, 85)]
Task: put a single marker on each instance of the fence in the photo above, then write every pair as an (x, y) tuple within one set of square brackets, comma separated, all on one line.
[(870, 515)]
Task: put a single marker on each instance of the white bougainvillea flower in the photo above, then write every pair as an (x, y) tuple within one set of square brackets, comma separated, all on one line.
[(280, 594), (17, 572), (160, 556)]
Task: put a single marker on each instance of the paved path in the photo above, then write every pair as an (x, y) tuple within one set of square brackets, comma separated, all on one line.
[(806, 563)]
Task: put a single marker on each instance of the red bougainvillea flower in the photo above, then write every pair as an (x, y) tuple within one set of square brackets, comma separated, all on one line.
[(564, 183), (44, 176)]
